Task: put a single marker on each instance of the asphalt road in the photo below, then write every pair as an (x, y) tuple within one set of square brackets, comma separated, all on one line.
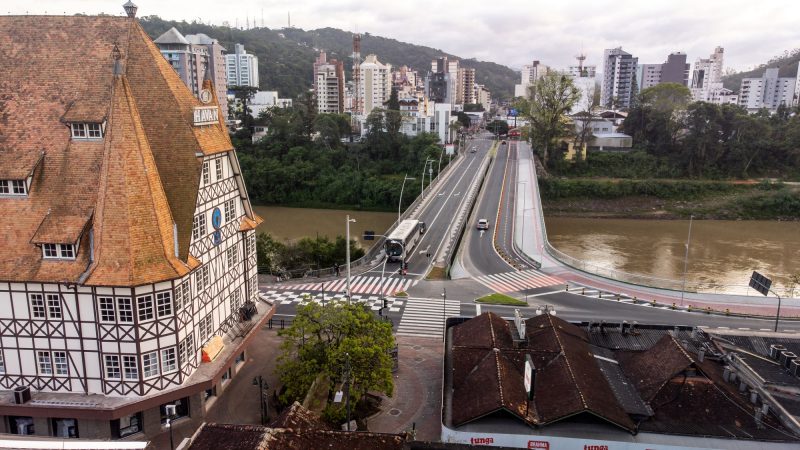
[(440, 212), (477, 254)]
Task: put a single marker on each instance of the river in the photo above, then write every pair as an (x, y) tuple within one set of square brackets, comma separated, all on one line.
[(722, 253), (295, 223)]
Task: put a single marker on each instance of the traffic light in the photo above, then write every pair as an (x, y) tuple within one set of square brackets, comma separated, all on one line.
[(385, 302)]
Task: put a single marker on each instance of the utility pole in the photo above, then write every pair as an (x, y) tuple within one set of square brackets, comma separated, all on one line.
[(347, 252), (686, 258), (444, 313), (347, 387)]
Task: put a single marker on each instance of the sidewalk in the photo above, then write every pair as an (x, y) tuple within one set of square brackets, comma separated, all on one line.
[(528, 213), (417, 397)]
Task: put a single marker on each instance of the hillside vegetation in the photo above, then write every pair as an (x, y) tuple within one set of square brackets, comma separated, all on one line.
[(286, 56), (786, 64)]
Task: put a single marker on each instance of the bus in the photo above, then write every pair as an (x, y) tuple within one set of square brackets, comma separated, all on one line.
[(403, 239)]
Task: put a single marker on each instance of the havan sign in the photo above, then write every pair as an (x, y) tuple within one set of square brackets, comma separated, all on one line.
[(206, 115)]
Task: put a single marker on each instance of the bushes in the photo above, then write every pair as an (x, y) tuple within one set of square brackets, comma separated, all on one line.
[(780, 204), (552, 188)]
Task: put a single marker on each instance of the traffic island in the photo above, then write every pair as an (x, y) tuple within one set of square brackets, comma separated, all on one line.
[(437, 273), (500, 299)]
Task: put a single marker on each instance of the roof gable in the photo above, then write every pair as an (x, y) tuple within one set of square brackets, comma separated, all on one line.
[(651, 369)]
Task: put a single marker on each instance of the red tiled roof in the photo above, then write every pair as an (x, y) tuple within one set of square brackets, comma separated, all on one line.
[(60, 229), (137, 181)]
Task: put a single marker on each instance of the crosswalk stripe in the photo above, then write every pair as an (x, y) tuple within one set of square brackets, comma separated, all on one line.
[(517, 280)]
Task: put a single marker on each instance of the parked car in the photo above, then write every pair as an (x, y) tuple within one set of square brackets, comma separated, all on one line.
[(483, 224)]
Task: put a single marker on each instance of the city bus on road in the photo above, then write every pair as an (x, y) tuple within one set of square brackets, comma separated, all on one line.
[(402, 240)]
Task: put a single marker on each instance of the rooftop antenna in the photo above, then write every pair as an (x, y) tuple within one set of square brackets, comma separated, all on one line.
[(289, 18), (581, 58), (262, 17)]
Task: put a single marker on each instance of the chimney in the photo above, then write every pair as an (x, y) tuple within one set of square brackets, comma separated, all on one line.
[(775, 351), (701, 355), (786, 357), (130, 9)]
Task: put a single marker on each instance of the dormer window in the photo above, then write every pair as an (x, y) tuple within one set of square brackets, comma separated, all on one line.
[(86, 130), (58, 251), (13, 187)]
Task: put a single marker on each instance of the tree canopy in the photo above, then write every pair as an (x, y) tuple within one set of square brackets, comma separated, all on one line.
[(320, 340)]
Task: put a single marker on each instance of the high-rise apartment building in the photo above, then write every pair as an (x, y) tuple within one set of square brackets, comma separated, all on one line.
[(530, 73), (242, 67), (194, 56), (329, 85), (619, 78), (768, 92), (583, 77), (375, 83), (483, 97), (465, 88), (128, 273), (440, 85), (707, 77)]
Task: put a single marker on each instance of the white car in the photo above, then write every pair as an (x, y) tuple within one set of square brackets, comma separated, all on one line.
[(483, 224)]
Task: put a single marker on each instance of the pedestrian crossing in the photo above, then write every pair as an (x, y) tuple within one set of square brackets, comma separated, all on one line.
[(375, 302), (362, 284), (425, 317), (518, 280)]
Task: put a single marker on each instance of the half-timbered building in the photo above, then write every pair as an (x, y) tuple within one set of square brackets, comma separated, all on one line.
[(127, 239)]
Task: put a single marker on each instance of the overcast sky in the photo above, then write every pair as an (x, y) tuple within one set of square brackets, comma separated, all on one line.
[(510, 32)]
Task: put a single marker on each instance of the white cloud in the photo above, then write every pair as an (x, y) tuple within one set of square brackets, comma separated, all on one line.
[(512, 32)]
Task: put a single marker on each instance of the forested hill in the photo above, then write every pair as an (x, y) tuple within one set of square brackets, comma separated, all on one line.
[(286, 56), (786, 64)]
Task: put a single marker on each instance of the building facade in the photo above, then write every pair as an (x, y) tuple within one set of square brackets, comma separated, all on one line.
[(242, 67), (707, 78), (128, 278), (465, 89), (375, 83), (530, 73), (194, 56), (329, 85), (619, 78), (768, 92)]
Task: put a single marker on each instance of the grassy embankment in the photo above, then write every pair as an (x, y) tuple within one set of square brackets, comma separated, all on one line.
[(670, 199)]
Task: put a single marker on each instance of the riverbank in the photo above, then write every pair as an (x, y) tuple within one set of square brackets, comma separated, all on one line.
[(669, 199)]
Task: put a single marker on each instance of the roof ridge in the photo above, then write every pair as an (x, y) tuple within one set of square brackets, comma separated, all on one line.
[(569, 366)]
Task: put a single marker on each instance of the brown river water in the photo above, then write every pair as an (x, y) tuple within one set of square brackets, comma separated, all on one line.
[(722, 254)]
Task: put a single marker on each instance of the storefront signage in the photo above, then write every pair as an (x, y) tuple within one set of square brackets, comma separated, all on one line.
[(206, 115)]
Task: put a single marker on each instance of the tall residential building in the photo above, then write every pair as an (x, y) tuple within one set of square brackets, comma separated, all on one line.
[(193, 56), (375, 83), (619, 78), (674, 70), (530, 73), (583, 77), (242, 67), (707, 77), (128, 273), (329, 85), (440, 85), (483, 96), (465, 88), (769, 91)]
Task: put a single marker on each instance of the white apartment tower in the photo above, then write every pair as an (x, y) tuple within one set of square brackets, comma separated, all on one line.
[(375, 83), (530, 73), (707, 78), (329, 85), (242, 67), (619, 78), (769, 91)]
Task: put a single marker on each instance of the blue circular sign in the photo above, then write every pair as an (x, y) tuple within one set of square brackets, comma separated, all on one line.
[(216, 218)]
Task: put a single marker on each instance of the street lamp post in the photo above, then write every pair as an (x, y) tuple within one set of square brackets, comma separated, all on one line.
[(444, 313), (422, 189), (347, 253), (171, 413), (263, 388), (399, 203), (686, 258)]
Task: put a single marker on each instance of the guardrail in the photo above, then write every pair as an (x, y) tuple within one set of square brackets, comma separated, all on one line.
[(376, 248), (632, 278)]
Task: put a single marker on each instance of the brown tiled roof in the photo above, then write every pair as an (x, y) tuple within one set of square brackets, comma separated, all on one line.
[(213, 436), (570, 381), (298, 418), (137, 181), (60, 229), (484, 331), (651, 369)]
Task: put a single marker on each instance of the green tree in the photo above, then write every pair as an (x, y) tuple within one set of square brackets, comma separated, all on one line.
[(550, 99), (464, 119), (498, 127), (244, 94), (320, 340)]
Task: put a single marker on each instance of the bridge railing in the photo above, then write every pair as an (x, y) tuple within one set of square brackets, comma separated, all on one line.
[(619, 275), (377, 247)]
